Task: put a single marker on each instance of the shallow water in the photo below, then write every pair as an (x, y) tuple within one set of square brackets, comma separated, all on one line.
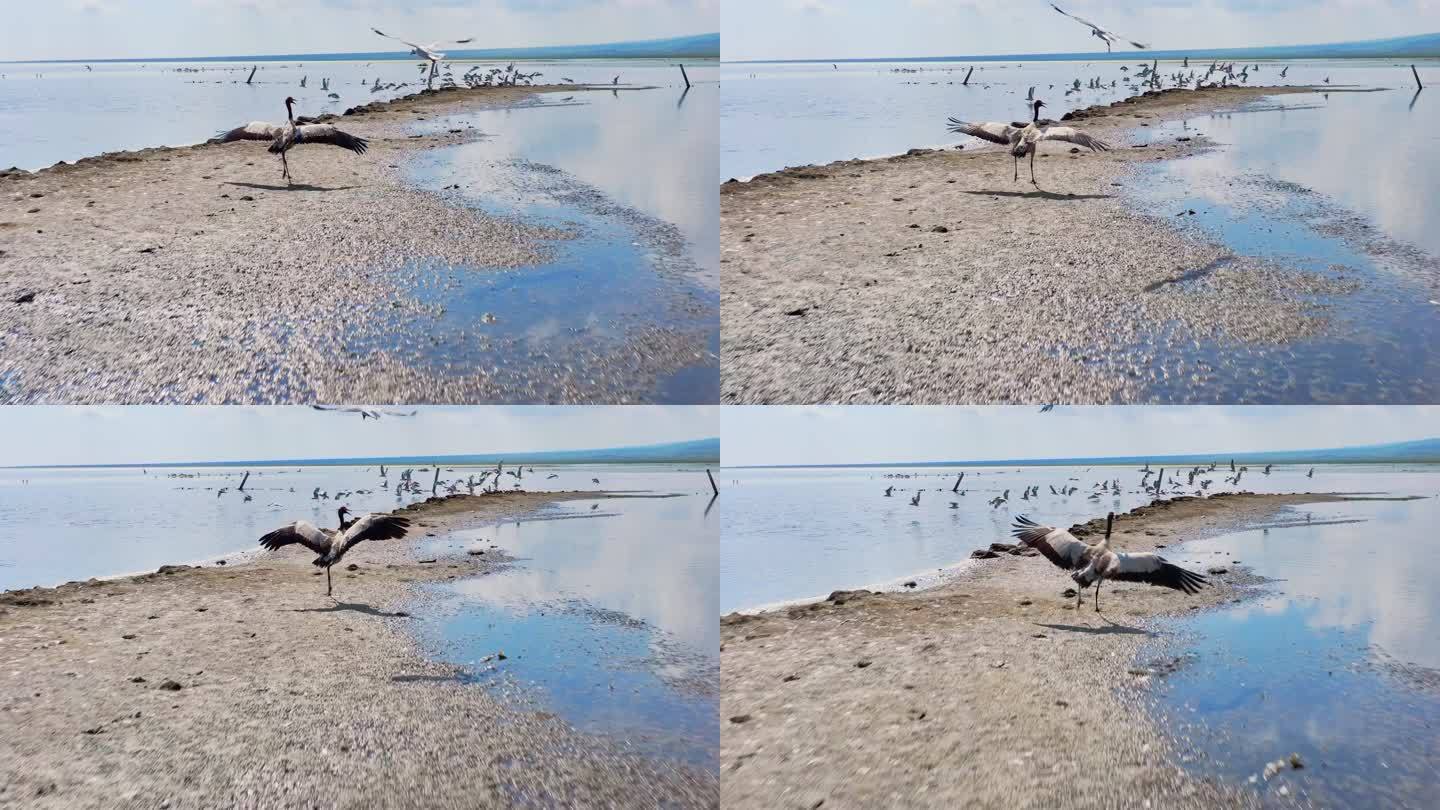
[(632, 174), (607, 618), (1290, 183), (799, 534), (1337, 663), (133, 105), (64, 524)]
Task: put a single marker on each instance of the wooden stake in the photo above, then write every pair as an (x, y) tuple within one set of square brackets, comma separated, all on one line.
[(712, 482), (243, 480), (967, 76), (685, 76), (1418, 83), (252, 74), (436, 483)]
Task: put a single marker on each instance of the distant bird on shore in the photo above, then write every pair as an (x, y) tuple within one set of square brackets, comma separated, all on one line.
[(1109, 37), (331, 544), (1025, 138), (889, 490), (616, 81), (1097, 563), (915, 501), (284, 137)]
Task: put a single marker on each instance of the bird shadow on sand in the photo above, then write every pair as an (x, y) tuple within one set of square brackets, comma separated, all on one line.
[(353, 607), (1041, 194), (1110, 629), (295, 187)]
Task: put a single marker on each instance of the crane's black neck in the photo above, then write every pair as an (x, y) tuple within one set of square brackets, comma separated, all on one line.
[(290, 111)]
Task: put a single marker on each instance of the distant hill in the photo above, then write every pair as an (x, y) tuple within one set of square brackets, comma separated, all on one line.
[(700, 451), (1418, 46), (1422, 451)]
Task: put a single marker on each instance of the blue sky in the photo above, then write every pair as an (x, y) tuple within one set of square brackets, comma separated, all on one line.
[(803, 29), (93, 29), (127, 435), (755, 435)]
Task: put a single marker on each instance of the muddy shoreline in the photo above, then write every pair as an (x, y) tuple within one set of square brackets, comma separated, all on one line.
[(870, 699), (196, 275), (933, 277), (286, 697)]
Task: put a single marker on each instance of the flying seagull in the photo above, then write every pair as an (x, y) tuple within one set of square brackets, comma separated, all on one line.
[(1110, 37)]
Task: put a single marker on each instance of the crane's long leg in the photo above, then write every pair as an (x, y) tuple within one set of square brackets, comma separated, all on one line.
[(327, 580), (1032, 169), (1079, 597), (1017, 167), (285, 162), (1098, 583)]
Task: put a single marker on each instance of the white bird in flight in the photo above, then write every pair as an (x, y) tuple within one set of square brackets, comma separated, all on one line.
[(426, 51), (1110, 37)]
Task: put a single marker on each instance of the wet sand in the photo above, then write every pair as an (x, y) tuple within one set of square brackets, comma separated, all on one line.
[(935, 278), (285, 697), (194, 274), (989, 691)]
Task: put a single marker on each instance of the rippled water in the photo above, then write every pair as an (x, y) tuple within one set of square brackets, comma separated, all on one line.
[(62, 524), (798, 534), (1337, 661), (607, 618)]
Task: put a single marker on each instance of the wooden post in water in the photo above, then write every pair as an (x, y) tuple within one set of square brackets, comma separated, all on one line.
[(252, 74), (243, 480), (685, 76), (1159, 482), (434, 485), (967, 76), (1418, 84), (713, 488)]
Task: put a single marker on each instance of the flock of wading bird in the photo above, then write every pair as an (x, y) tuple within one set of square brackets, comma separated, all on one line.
[(1092, 564)]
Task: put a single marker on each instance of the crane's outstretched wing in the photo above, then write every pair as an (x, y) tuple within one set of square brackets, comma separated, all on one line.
[(1057, 545), (328, 134), (1151, 568), (1072, 135), (303, 532), (369, 527), (253, 131), (992, 131)]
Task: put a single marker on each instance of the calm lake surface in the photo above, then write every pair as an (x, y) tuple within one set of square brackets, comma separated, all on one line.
[(633, 175), (607, 618), (1295, 179), (1338, 662)]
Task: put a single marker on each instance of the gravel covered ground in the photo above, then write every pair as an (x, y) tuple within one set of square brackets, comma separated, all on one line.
[(195, 274), (989, 691), (935, 278), (245, 686)]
